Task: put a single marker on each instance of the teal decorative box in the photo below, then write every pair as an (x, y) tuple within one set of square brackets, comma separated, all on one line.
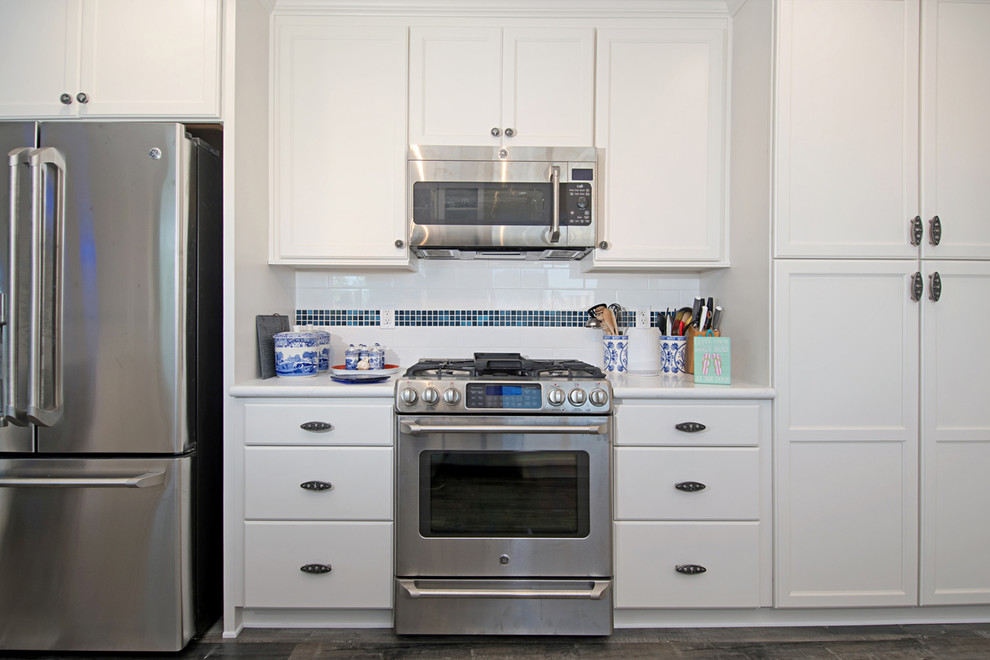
[(712, 360)]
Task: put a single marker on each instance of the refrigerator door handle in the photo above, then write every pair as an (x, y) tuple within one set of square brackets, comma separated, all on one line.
[(138, 481), (13, 407), (44, 406)]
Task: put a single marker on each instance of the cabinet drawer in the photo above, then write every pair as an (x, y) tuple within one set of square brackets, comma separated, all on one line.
[(359, 556), (647, 556), (646, 480), (351, 424), (360, 480), (724, 424)]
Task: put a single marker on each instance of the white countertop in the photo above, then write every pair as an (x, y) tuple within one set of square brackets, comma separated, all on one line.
[(624, 387)]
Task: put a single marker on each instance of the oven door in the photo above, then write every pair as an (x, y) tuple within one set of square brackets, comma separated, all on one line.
[(511, 496)]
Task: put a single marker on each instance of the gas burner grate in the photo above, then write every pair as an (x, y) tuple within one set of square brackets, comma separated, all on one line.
[(503, 365)]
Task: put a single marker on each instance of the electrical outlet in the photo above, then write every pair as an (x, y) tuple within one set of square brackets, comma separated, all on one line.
[(643, 318), (386, 317)]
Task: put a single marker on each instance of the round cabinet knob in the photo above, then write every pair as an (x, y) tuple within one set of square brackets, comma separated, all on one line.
[(66, 99), (495, 131), (577, 396), (82, 97), (509, 132), (408, 396), (598, 397), (399, 243), (556, 397), (451, 397), (430, 396)]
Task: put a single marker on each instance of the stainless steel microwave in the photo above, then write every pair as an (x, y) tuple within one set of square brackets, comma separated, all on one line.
[(502, 203)]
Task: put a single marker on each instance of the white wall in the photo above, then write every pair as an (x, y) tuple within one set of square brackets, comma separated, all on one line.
[(486, 285)]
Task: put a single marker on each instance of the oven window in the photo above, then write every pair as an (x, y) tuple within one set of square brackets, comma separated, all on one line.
[(504, 494), (481, 204)]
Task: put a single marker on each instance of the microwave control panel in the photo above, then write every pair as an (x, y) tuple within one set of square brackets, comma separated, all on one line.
[(575, 203)]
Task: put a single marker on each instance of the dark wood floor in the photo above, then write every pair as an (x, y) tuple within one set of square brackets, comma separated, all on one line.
[(935, 642)]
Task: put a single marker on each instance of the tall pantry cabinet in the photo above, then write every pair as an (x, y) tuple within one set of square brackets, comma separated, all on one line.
[(882, 259)]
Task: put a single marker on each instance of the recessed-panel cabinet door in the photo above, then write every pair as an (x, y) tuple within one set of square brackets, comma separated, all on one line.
[(548, 79), (39, 47), (956, 436), (339, 143), (455, 85), (660, 104), (846, 159), (846, 375), (150, 58), (956, 129)]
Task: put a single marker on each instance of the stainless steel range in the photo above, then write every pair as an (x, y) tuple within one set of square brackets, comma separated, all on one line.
[(503, 497)]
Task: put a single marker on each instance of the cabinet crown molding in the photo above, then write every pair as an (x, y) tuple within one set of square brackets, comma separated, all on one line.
[(513, 8)]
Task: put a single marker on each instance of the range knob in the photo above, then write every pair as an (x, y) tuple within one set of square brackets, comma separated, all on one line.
[(430, 396), (599, 397), (451, 397), (408, 396), (577, 396), (556, 397)]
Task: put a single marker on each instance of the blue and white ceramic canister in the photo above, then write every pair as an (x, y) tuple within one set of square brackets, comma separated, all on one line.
[(376, 357), (324, 343), (673, 351), (351, 357), (616, 353), (297, 354)]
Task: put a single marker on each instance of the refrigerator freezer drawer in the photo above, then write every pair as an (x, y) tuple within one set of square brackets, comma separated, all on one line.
[(95, 554)]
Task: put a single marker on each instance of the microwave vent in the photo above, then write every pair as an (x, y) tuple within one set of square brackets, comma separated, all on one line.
[(562, 255), (438, 253)]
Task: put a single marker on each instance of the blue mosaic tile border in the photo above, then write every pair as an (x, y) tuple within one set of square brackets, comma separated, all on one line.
[(456, 317)]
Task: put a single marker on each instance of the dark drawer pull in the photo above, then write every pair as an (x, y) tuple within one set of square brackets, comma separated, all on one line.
[(690, 486), (316, 427), (690, 569), (317, 486), (315, 569), (690, 427)]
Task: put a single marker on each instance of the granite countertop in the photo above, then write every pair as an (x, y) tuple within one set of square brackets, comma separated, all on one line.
[(625, 387)]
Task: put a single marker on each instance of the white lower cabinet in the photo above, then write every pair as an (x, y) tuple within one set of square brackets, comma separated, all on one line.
[(318, 564), (692, 504), (317, 508)]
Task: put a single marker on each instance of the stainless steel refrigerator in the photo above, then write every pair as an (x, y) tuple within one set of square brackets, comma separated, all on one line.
[(110, 386)]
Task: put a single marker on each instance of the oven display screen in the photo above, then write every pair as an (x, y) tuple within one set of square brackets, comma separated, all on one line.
[(504, 396), (504, 494)]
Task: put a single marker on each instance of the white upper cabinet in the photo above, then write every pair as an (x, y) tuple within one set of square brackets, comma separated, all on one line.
[(501, 86), (660, 100), (338, 143), (955, 129), (847, 128), (109, 58)]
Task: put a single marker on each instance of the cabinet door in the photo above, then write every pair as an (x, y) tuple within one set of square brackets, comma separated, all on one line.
[(150, 58), (660, 101), (846, 374), (955, 130), (339, 143), (956, 437), (39, 44), (548, 87), (455, 85), (847, 128)]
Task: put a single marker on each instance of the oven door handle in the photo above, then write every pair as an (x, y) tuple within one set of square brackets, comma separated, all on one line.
[(596, 592), (414, 428)]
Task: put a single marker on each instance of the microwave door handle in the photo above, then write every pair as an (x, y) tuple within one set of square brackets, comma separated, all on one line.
[(13, 408), (555, 219), (41, 375)]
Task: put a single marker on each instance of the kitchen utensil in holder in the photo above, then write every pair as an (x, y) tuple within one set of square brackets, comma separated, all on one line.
[(616, 353)]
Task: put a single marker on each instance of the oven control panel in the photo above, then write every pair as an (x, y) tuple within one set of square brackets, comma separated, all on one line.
[(566, 396)]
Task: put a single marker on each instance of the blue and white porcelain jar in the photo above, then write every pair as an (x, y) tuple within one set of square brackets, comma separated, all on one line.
[(616, 353), (324, 343), (297, 354)]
